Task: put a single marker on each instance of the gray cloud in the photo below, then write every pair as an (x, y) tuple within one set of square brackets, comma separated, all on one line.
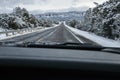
[(11, 3), (7, 5)]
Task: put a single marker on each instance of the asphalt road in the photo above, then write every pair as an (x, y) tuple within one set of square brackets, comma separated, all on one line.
[(59, 34)]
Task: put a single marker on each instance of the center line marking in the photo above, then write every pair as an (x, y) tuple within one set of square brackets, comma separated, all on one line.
[(47, 35)]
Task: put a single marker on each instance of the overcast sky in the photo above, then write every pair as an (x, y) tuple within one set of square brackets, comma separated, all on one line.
[(32, 5)]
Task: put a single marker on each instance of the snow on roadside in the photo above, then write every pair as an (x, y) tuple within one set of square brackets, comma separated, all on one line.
[(1, 30), (100, 40)]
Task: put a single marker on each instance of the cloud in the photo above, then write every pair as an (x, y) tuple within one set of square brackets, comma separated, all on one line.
[(12, 3), (46, 4)]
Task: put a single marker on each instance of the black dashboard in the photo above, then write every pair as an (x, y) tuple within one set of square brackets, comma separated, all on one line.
[(58, 63)]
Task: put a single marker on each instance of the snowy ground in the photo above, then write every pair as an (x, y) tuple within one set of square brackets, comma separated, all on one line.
[(1, 30), (3, 36), (100, 40)]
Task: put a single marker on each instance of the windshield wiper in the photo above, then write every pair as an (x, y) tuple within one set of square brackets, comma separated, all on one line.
[(76, 44), (65, 45), (71, 45)]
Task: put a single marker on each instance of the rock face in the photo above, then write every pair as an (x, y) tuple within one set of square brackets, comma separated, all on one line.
[(103, 20)]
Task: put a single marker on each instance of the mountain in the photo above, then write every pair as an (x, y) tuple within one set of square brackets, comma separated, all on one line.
[(61, 16), (78, 9)]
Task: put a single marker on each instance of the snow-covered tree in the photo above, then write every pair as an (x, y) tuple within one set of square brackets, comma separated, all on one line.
[(104, 19), (18, 19)]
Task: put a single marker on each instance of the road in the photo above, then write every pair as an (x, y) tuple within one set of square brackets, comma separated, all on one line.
[(59, 34)]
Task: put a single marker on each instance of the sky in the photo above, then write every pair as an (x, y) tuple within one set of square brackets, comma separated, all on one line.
[(36, 5)]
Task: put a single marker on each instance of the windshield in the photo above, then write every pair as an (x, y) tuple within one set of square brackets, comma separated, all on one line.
[(92, 22)]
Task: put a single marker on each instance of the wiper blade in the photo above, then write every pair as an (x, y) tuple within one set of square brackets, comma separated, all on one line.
[(70, 45), (27, 44), (66, 45), (76, 44)]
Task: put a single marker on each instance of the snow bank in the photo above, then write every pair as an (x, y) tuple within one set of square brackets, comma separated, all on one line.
[(100, 40), (1, 30)]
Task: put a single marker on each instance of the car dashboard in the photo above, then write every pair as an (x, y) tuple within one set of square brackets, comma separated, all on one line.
[(58, 63)]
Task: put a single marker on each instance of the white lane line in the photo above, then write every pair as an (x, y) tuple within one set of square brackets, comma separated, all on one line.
[(26, 33), (75, 36), (47, 35), (39, 31)]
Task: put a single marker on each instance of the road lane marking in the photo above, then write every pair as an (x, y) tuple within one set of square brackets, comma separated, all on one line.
[(33, 35), (51, 33), (75, 36)]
